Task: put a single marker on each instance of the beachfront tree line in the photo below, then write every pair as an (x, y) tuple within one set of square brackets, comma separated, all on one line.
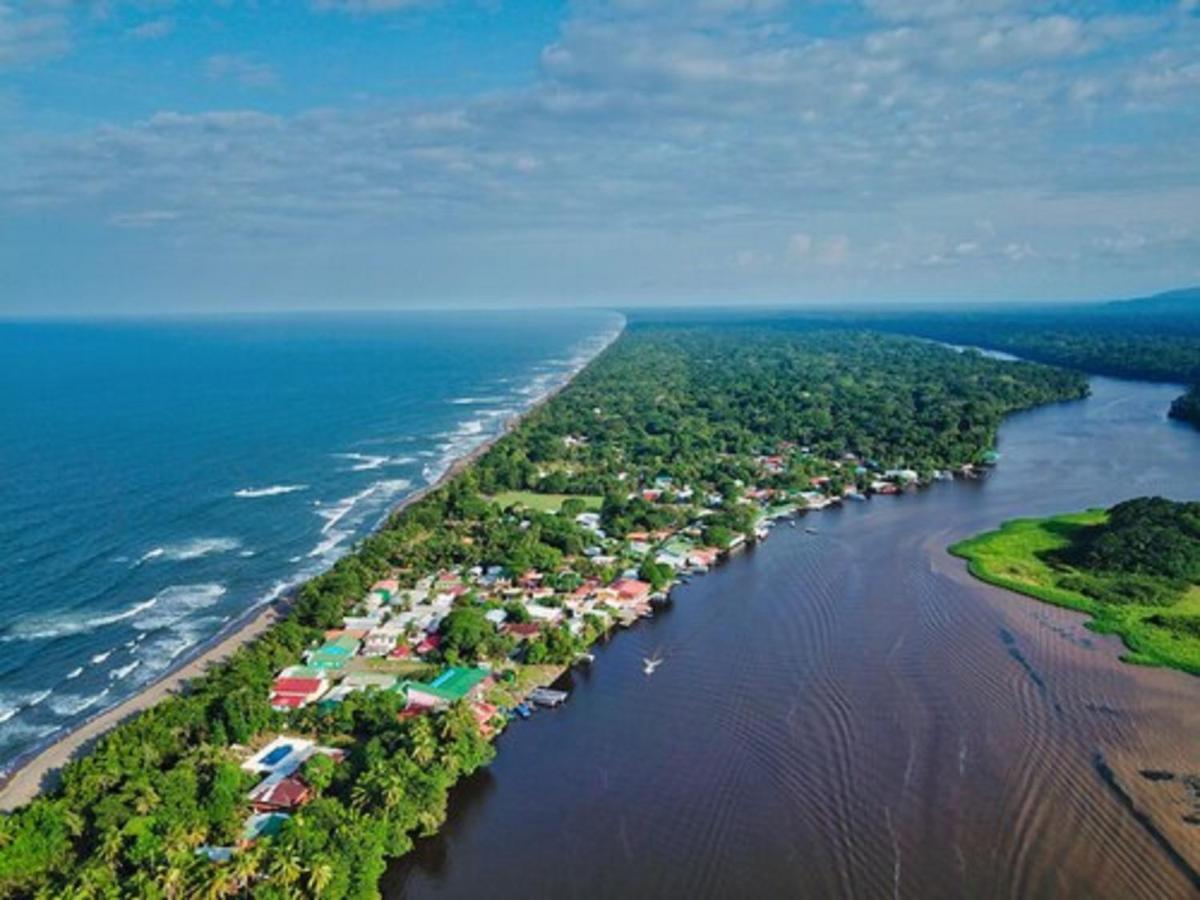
[(696, 406)]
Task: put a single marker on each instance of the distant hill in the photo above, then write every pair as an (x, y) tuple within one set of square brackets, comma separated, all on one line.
[(1184, 301)]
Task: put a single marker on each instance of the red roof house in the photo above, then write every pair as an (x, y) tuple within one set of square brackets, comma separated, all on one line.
[(292, 693), (429, 644), (630, 590), (280, 796)]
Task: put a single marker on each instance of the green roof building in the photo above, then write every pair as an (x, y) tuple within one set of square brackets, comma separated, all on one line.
[(333, 654), (450, 686)]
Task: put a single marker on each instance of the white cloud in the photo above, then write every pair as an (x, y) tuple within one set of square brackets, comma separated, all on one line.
[(653, 144), (152, 29), (32, 32), (369, 7), (241, 70)]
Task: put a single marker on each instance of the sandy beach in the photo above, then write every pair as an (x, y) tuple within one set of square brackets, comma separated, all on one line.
[(39, 771)]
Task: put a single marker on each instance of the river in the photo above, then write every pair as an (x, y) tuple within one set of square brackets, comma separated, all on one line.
[(848, 714)]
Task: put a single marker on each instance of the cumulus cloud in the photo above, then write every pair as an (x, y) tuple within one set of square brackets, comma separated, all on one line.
[(729, 141)]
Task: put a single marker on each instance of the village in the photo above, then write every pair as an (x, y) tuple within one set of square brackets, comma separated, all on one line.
[(394, 640)]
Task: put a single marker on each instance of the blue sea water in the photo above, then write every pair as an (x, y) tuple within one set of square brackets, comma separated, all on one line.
[(160, 479)]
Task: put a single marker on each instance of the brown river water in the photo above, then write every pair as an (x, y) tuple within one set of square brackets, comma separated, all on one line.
[(848, 714)]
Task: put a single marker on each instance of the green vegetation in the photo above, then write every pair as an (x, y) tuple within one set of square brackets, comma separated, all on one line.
[(1187, 407), (547, 502), (695, 405), (668, 427), (1155, 339), (1135, 569)]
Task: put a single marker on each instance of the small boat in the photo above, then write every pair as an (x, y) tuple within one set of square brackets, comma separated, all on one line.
[(547, 697), (649, 665), (810, 530), (523, 710)]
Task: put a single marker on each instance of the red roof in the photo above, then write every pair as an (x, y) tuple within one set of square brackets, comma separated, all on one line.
[(432, 642), (630, 588), (285, 794), (401, 651), (286, 701), (301, 686)]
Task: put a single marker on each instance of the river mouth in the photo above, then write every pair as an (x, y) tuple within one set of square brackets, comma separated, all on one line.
[(847, 713)]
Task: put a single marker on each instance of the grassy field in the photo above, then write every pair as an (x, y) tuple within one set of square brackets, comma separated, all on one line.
[(544, 502), (1020, 557)]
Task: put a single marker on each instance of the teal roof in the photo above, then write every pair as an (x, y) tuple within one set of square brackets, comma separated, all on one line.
[(263, 825)]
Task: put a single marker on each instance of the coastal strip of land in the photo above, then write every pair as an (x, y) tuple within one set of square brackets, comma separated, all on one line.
[(29, 776), (324, 747)]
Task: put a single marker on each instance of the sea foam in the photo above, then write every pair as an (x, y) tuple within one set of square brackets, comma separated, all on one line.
[(196, 548), (63, 626), (273, 491)]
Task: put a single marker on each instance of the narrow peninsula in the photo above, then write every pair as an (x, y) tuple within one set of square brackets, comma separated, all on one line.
[(312, 755)]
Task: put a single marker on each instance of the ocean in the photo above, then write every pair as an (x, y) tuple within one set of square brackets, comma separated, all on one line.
[(160, 479)]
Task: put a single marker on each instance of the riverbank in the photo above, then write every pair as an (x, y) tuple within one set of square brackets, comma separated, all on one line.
[(460, 583), (1026, 556), (30, 775), (848, 710)]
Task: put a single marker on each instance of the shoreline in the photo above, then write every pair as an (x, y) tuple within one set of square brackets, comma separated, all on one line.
[(39, 770)]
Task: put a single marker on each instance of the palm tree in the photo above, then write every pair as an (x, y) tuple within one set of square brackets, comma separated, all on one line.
[(319, 875), (73, 821), (361, 795), (172, 879), (218, 883), (395, 789), (246, 866), (111, 846), (286, 868), (146, 799), (422, 742)]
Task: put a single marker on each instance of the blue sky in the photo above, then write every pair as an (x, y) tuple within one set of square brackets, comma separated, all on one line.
[(162, 155)]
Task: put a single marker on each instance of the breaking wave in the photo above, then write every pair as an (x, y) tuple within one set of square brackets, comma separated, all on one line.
[(365, 462), (64, 626), (173, 604), (13, 702), (273, 491), (197, 548), (73, 704)]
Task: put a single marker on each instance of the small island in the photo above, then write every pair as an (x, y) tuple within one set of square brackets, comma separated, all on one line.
[(1135, 569)]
